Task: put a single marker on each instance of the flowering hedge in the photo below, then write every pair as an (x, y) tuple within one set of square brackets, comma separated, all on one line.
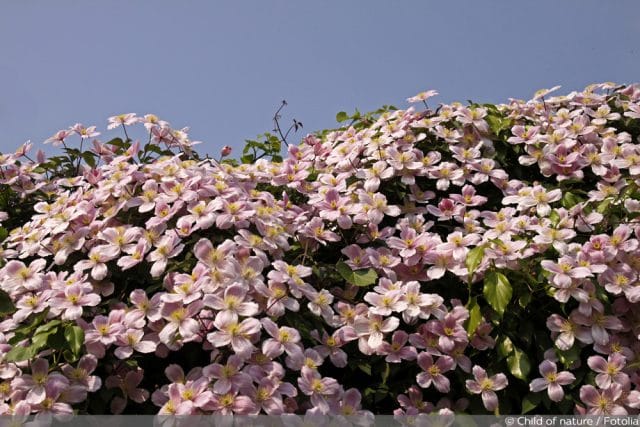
[(469, 259)]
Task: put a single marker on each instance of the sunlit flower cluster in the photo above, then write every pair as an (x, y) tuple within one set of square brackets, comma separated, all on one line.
[(416, 261)]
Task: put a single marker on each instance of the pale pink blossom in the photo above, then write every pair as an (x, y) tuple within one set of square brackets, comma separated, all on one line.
[(486, 386), (552, 381)]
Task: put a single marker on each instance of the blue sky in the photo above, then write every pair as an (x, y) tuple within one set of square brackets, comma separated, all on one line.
[(222, 68)]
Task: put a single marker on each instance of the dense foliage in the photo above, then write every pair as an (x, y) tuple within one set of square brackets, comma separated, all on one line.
[(473, 258)]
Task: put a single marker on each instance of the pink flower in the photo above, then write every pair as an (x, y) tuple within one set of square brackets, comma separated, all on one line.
[(331, 344), (552, 380), (132, 340), (21, 277), (312, 384), (432, 372), (315, 229), (58, 138), (567, 330), (39, 382), (147, 200), (191, 394), (233, 302), (610, 370), (85, 132), (169, 246), (239, 335), (603, 402), (449, 330), (180, 320), (386, 304), (336, 208), (422, 96), (349, 406), (75, 298), (371, 330), (229, 376), (599, 325), (633, 111), (32, 303), (127, 119), (486, 386), (129, 387), (98, 257), (565, 271), (282, 339), (80, 374), (397, 351), (231, 403), (446, 173), (149, 308), (268, 395)]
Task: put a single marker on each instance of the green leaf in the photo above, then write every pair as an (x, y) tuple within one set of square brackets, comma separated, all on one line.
[(524, 299), (497, 291), (385, 373), (89, 158), (365, 367), (475, 317), (48, 326), (604, 205), (568, 357), (118, 142), (75, 337), (569, 200), (474, 258), (518, 363), (43, 335), (363, 277), (530, 402), (247, 158), (6, 304), (57, 341), (342, 117), (3, 233), (19, 353), (27, 330), (505, 346)]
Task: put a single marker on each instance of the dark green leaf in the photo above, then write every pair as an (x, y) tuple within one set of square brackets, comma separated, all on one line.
[(505, 346), (69, 356), (363, 277), (497, 291), (27, 330), (604, 205), (474, 258), (524, 299), (247, 158), (19, 353), (342, 117), (569, 357), (57, 341), (519, 364), (118, 142), (365, 367), (475, 317), (89, 158), (75, 337), (53, 324), (385, 373), (6, 304), (530, 402), (569, 200)]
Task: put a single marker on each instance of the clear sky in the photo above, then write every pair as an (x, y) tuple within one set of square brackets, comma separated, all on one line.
[(222, 68)]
